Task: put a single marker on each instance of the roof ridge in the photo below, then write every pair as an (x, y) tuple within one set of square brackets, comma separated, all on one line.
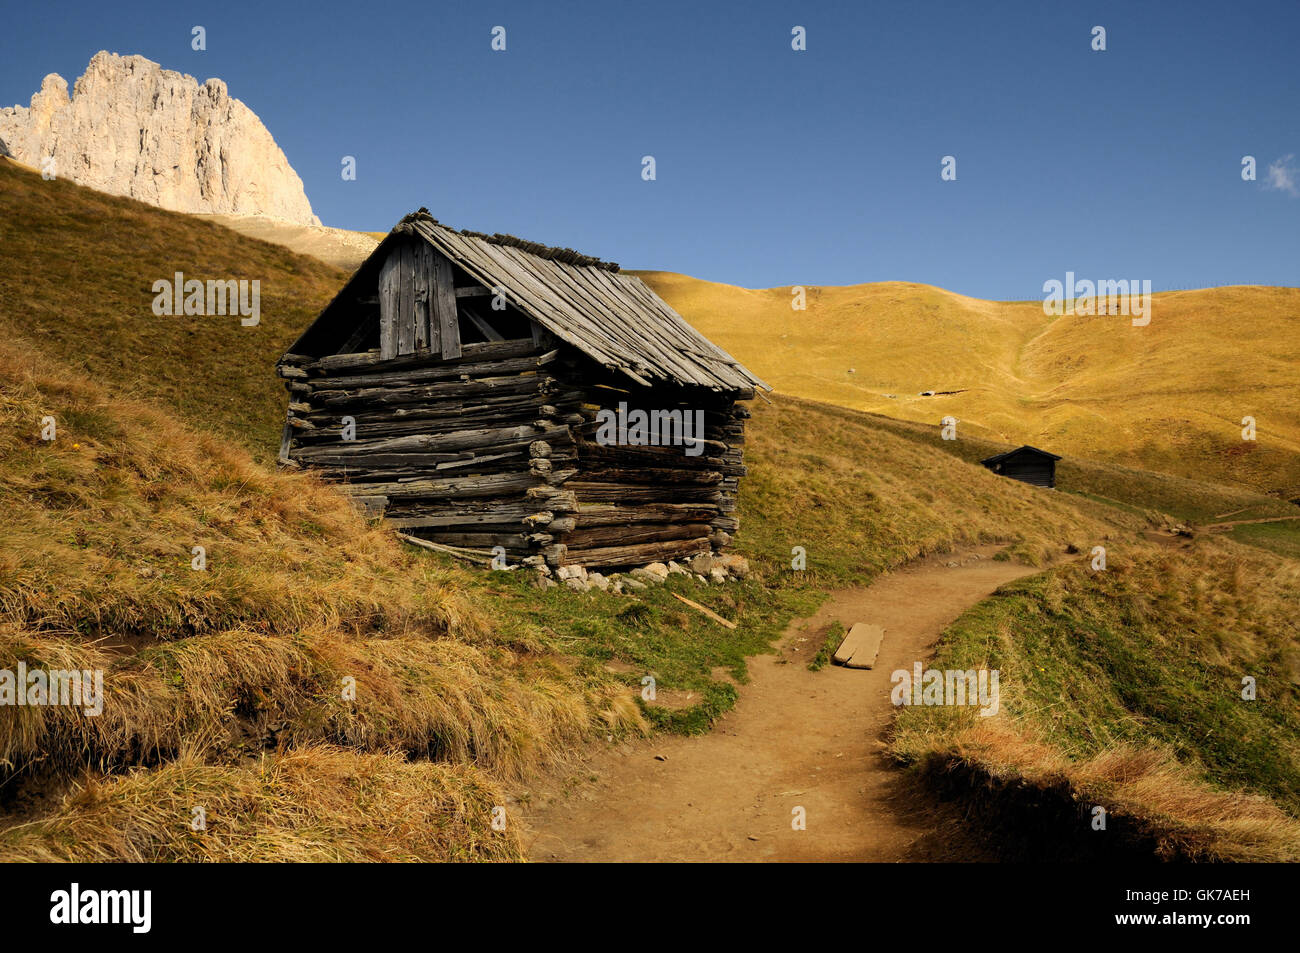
[(548, 252)]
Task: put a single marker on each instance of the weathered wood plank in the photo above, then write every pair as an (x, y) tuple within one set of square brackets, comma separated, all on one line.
[(406, 298), (417, 420), (860, 646), (706, 611), (480, 351), (423, 295), (627, 535), (286, 435), (482, 559), (469, 487), (620, 493), (388, 306), (444, 445), (444, 307), (510, 512), (643, 476), (519, 365), (432, 392), (518, 542), (636, 555), (613, 514)]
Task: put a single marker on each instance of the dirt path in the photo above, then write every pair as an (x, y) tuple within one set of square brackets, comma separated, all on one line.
[(795, 738), (1215, 527)]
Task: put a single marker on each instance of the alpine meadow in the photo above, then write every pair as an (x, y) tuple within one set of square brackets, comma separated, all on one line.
[(711, 434)]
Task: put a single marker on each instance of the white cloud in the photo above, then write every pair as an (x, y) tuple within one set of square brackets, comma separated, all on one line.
[(1283, 176)]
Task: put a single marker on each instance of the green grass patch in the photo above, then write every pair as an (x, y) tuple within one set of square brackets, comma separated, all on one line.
[(1282, 538), (627, 637), (1151, 652), (834, 636)]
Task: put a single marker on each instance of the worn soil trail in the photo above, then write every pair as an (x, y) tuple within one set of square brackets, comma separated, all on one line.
[(1231, 523), (795, 738)]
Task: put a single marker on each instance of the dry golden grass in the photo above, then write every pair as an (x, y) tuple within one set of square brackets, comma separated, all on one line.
[(1169, 396), (77, 282), (862, 499), (299, 594), (1190, 818), (101, 523), (310, 804)]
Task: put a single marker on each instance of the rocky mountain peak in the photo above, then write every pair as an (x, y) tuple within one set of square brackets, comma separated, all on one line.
[(132, 128)]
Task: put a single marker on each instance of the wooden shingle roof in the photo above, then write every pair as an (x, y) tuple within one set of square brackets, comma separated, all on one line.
[(1006, 455), (615, 319)]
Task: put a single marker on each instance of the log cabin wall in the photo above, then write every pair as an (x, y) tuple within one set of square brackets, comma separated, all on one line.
[(464, 451), (638, 502), (477, 428), (499, 447)]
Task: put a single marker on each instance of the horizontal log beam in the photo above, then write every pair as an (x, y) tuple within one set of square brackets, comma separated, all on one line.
[(383, 377), (484, 351), (652, 476), (446, 445), (384, 396), (636, 555), (627, 535), (611, 514), (468, 487), (620, 493)]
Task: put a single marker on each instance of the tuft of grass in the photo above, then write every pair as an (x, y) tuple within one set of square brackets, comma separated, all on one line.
[(308, 805), (834, 636)]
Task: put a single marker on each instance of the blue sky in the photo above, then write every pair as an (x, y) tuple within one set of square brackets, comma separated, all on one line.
[(774, 167)]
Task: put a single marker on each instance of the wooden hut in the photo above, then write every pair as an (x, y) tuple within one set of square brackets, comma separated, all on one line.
[(485, 392), (1026, 464)]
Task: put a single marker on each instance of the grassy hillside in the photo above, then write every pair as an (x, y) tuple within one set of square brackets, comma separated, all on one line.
[(1128, 685), (78, 277), (251, 654), (225, 686), (1169, 396), (1166, 501)]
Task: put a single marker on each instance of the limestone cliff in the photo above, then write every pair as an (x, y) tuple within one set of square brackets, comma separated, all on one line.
[(133, 128)]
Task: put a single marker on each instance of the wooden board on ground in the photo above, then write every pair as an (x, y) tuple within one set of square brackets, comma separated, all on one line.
[(860, 646)]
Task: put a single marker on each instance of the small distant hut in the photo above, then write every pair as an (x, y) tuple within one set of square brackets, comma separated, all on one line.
[(1026, 464), (482, 391)]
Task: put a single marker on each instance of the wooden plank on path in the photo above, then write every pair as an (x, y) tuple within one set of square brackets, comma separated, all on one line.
[(860, 646)]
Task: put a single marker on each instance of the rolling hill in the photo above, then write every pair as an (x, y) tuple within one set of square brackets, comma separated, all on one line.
[(1169, 396)]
